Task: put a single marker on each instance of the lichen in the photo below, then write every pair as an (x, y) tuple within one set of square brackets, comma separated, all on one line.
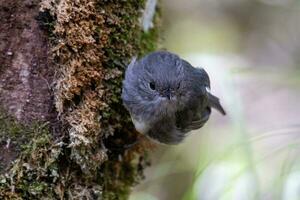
[(92, 43), (29, 174)]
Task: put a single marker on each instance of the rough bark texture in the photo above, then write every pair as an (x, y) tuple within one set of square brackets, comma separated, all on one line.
[(24, 71), (64, 133)]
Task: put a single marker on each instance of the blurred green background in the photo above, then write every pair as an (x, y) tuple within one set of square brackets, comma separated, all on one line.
[(251, 50)]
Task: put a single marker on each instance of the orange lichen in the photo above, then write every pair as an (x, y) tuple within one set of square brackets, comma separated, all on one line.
[(80, 94), (93, 42)]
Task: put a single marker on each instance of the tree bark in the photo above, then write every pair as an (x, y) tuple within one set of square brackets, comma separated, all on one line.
[(64, 133)]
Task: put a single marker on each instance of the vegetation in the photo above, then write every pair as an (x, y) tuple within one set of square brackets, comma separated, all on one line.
[(91, 44)]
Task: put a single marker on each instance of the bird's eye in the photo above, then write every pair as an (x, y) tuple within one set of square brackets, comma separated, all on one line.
[(152, 85)]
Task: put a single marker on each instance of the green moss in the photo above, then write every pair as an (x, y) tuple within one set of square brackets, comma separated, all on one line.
[(8, 127), (32, 174), (91, 161)]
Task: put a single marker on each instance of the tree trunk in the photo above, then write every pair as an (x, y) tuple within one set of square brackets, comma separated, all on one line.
[(64, 133)]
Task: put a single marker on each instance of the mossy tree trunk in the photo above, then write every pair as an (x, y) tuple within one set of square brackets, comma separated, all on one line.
[(64, 133)]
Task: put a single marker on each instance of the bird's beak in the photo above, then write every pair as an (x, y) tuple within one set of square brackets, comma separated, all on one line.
[(168, 94)]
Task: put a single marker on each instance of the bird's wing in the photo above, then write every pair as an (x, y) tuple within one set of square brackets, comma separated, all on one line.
[(196, 116), (199, 108), (191, 119)]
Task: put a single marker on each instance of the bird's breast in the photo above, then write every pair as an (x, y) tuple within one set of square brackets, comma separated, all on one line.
[(140, 126)]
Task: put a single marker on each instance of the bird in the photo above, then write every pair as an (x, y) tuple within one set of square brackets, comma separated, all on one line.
[(167, 97)]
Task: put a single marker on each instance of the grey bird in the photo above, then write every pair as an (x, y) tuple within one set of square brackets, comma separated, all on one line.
[(167, 97)]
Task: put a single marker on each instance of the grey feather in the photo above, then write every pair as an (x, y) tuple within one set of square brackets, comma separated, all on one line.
[(167, 97)]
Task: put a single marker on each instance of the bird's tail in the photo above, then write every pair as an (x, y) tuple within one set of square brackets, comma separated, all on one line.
[(215, 103)]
